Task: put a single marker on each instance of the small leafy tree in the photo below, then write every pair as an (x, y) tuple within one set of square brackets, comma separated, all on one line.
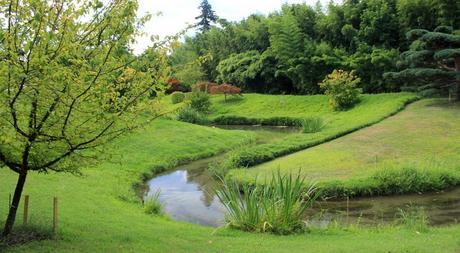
[(68, 83), (433, 62), (341, 87), (226, 89)]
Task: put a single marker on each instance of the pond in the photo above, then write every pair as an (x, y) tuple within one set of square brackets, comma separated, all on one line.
[(188, 194)]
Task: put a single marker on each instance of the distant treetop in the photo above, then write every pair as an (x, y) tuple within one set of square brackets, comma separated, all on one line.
[(207, 17)]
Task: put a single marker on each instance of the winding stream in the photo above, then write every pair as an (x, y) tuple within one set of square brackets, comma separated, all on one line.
[(187, 194)]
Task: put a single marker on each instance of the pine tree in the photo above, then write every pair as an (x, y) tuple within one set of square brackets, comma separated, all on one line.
[(433, 62), (207, 17)]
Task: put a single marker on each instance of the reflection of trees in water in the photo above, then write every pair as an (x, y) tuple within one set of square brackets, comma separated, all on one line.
[(206, 183)]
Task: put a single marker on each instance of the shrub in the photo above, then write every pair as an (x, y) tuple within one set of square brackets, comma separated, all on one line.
[(226, 89), (191, 115), (152, 204), (312, 125), (175, 85), (341, 87), (276, 207), (177, 97), (200, 101)]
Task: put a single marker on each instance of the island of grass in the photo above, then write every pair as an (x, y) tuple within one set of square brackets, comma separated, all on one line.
[(278, 109), (416, 150)]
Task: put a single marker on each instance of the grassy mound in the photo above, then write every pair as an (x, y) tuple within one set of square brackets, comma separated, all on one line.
[(416, 150)]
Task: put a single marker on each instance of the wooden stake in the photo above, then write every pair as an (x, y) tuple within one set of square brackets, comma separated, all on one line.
[(26, 209), (55, 214)]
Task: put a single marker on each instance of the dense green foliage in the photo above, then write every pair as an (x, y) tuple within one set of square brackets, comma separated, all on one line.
[(341, 87), (292, 50), (177, 97), (190, 115), (278, 206), (69, 83), (433, 61), (200, 101)]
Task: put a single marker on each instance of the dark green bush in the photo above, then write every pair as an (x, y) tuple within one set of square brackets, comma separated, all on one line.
[(193, 116), (200, 101), (177, 97)]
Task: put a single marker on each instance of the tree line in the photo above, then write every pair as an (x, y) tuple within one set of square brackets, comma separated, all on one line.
[(292, 50)]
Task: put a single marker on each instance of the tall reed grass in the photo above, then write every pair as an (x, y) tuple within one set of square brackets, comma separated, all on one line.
[(277, 206)]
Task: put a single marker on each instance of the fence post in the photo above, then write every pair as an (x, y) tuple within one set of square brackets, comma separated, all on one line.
[(26, 209), (55, 214)]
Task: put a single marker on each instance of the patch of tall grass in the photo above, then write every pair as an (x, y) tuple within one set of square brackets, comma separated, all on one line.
[(414, 218), (312, 125), (275, 207), (152, 204)]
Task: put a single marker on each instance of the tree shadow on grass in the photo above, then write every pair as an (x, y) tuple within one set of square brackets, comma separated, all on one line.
[(25, 234)]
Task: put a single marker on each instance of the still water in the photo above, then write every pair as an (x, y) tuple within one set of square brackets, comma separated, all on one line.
[(188, 194)]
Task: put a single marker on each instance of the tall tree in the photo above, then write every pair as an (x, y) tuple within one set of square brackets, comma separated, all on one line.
[(68, 85), (207, 16), (433, 62)]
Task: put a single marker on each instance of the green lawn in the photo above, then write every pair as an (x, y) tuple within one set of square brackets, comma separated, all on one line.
[(267, 106), (425, 135), (371, 109), (95, 216)]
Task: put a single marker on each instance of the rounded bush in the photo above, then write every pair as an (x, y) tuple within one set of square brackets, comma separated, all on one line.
[(200, 101), (177, 97)]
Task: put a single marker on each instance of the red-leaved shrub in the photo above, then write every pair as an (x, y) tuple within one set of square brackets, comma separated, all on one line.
[(226, 89), (175, 85)]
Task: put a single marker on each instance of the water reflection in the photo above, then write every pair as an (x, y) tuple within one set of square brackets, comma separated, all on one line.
[(189, 195)]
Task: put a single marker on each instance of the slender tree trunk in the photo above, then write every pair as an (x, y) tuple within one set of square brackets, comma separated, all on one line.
[(14, 205), (457, 68)]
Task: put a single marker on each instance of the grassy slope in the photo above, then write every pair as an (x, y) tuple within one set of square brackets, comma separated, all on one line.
[(94, 219), (266, 106), (425, 135)]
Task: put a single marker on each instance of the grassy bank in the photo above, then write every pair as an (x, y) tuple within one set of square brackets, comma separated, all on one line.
[(416, 150), (94, 217), (371, 109)]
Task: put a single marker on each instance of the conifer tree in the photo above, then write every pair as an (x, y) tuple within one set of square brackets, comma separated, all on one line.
[(207, 17), (433, 62)]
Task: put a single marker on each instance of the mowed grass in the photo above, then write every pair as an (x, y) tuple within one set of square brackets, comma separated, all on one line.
[(94, 217), (370, 110), (268, 106), (425, 135)]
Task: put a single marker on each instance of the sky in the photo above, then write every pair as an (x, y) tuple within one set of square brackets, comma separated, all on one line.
[(176, 14)]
